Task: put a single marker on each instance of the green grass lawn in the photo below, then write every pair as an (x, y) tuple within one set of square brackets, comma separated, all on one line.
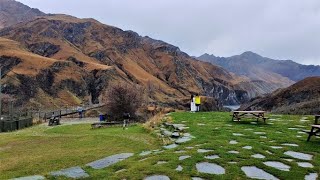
[(39, 150)]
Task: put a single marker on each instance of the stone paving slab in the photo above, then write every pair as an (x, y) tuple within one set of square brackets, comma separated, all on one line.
[(256, 173), (108, 161), (36, 177), (157, 177), (299, 155), (277, 165), (210, 168), (311, 176), (73, 172)]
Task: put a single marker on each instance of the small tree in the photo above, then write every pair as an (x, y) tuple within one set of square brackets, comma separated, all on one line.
[(123, 98)]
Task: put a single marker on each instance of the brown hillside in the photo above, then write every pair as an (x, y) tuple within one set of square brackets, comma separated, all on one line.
[(88, 55), (300, 98)]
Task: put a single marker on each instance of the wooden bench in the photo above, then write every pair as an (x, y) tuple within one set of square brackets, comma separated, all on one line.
[(54, 121), (315, 131), (237, 115)]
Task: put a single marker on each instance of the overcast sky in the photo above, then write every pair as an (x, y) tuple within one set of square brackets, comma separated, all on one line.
[(280, 29)]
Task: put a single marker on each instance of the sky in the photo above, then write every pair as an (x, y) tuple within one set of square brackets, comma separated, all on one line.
[(279, 29)]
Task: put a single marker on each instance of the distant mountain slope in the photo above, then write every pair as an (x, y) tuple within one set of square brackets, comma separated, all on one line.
[(86, 56), (261, 68), (300, 98), (13, 12)]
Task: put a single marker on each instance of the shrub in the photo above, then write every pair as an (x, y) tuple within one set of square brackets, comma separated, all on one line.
[(123, 98)]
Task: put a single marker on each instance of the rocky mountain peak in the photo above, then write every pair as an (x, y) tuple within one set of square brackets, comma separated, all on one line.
[(13, 12)]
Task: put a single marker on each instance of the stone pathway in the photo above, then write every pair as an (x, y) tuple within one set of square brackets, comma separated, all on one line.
[(298, 155), (157, 177), (210, 168), (36, 177), (277, 165), (311, 176), (74, 172), (108, 161), (256, 173), (258, 156)]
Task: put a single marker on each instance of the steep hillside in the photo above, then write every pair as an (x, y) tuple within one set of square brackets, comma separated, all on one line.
[(261, 68), (13, 12), (89, 55), (300, 98)]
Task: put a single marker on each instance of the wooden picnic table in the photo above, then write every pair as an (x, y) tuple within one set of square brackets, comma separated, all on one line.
[(237, 115), (316, 119), (315, 131)]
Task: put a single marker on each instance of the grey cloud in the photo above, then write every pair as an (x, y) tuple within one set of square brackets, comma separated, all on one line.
[(282, 29)]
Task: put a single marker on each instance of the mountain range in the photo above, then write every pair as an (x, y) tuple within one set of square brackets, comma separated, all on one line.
[(279, 72), (54, 60)]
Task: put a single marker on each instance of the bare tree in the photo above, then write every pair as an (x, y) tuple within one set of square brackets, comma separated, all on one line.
[(123, 98)]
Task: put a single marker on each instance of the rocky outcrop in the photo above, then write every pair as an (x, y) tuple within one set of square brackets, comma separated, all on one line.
[(45, 49)]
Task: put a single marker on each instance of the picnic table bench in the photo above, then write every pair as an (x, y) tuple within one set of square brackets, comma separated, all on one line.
[(237, 115), (315, 131), (54, 121)]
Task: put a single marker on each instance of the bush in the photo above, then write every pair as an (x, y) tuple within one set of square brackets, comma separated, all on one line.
[(123, 98)]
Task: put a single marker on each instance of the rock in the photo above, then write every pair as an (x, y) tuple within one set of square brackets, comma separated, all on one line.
[(233, 142), (260, 133), (121, 170), (299, 155), (179, 168), (36, 177), (311, 176), (210, 168), (183, 157), (247, 147), (171, 146), (269, 152), (305, 164), (183, 140), (204, 150), (108, 161), (196, 178), (212, 157), (288, 144), (162, 162), (277, 165), (74, 172), (289, 160), (258, 156), (233, 152), (166, 133), (276, 147), (256, 173), (144, 153), (175, 135), (157, 177), (181, 151), (237, 134), (189, 147)]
